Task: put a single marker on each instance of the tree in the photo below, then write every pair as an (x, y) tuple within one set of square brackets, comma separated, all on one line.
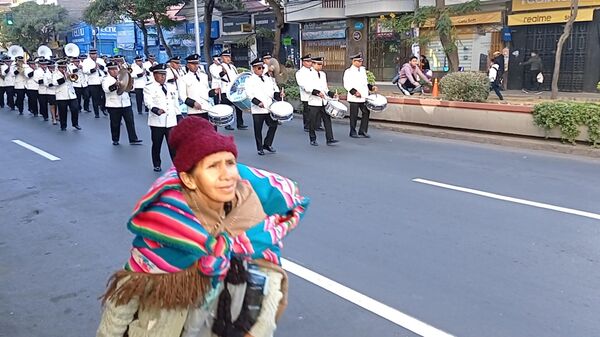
[(277, 7), (440, 16), (559, 47), (34, 25), (209, 7)]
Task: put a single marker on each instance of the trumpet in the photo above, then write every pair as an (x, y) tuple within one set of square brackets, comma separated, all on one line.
[(73, 77)]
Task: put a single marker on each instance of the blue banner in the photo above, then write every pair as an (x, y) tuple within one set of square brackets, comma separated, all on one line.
[(214, 29), (107, 33), (126, 36), (80, 34)]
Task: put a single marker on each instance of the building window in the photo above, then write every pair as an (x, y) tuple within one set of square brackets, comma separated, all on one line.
[(334, 52), (332, 3)]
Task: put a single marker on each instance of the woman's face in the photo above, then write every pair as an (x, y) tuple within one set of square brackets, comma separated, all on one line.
[(216, 176)]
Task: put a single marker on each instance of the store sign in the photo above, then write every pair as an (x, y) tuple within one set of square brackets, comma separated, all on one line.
[(287, 41), (107, 33), (267, 21), (234, 24), (529, 5), (359, 25), (547, 17), (471, 19), (80, 34), (357, 35), (324, 30), (214, 29)]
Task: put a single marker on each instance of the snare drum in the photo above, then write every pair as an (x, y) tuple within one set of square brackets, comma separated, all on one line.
[(237, 92), (376, 102), (282, 111), (336, 109), (220, 114)]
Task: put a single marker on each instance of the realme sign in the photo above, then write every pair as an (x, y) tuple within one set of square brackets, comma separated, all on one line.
[(529, 5), (547, 17)]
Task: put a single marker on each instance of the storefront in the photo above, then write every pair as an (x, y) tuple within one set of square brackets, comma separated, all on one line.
[(538, 26), (386, 50), (328, 40), (237, 35), (478, 36)]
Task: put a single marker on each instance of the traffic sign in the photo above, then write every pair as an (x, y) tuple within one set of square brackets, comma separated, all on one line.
[(287, 41)]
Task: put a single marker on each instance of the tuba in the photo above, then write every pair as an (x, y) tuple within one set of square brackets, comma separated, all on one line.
[(71, 50), (45, 52)]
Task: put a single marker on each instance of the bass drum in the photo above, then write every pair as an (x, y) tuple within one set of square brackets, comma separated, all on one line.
[(237, 93), (376, 102), (336, 109), (220, 114), (282, 111)]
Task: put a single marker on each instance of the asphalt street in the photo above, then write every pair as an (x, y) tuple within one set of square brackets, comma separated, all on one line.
[(467, 265)]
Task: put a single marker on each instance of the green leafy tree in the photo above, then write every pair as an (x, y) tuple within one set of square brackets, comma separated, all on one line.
[(440, 15), (34, 25), (209, 7), (277, 7)]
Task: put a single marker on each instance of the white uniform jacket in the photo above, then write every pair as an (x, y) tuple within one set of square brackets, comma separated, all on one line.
[(194, 89), (9, 76), (302, 77), (73, 69), (109, 85), (94, 76), (139, 76), (4, 73), (147, 65), (64, 87), (355, 79), (174, 75), (49, 82), (155, 99), (228, 76), (261, 90), (215, 77), (30, 84), (20, 78), (38, 77), (317, 84)]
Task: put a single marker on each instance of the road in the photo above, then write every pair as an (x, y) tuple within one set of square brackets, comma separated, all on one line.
[(466, 264)]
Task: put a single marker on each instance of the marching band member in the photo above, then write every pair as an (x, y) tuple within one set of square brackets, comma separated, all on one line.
[(228, 75), (32, 88), (194, 89), (317, 102), (38, 77), (355, 81), (174, 74), (162, 100), (262, 91), (267, 67), (86, 89), (65, 96), (150, 62), (302, 77), (215, 69), (118, 106), (51, 91), (75, 68), (95, 69), (139, 82), (8, 84), (18, 70)]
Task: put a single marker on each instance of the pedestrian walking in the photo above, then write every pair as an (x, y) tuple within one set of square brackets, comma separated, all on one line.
[(8, 83), (358, 87), (51, 91), (195, 90), (95, 69), (32, 87), (262, 91), (139, 82), (302, 78), (18, 70), (493, 75), (189, 274), (535, 69), (87, 96), (38, 77), (506, 57), (319, 90), (79, 84), (162, 100)]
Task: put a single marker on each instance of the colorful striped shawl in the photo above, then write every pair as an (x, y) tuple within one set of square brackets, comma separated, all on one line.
[(170, 238)]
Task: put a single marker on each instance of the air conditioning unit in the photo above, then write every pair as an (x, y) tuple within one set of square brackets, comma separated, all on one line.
[(246, 28)]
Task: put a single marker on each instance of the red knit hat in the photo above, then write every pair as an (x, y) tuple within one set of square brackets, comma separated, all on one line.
[(195, 138)]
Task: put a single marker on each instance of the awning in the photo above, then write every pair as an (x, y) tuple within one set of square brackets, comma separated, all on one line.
[(546, 17), (233, 38)]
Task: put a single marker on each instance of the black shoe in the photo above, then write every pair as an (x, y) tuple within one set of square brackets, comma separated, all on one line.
[(242, 127), (306, 130), (20, 114), (261, 152), (333, 141), (104, 113), (115, 143), (45, 119), (77, 127), (320, 129), (139, 113), (63, 129), (136, 142), (97, 116), (354, 135), (229, 127), (314, 143), (157, 169), (87, 110), (364, 135), (270, 149)]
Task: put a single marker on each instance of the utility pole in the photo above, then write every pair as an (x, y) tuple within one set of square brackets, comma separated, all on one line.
[(197, 27)]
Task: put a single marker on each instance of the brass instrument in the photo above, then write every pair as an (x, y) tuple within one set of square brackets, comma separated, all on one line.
[(130, 70), (73, 77)]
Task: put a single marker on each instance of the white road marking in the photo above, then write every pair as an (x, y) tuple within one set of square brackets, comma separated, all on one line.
[(36, 150), (378, 308), (510, 199)]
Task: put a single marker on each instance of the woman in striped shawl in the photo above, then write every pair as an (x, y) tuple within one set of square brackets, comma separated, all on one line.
[(205, 257)]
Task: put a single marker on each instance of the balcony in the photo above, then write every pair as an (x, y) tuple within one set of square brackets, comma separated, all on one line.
[(316, 10)]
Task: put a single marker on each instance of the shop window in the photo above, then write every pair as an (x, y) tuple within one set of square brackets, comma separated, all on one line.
[(334, 52)]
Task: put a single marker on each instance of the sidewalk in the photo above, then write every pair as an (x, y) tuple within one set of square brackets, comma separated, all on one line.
[(515, 97)]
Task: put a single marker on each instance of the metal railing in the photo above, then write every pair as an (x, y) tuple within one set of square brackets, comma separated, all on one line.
[(332, 3)]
